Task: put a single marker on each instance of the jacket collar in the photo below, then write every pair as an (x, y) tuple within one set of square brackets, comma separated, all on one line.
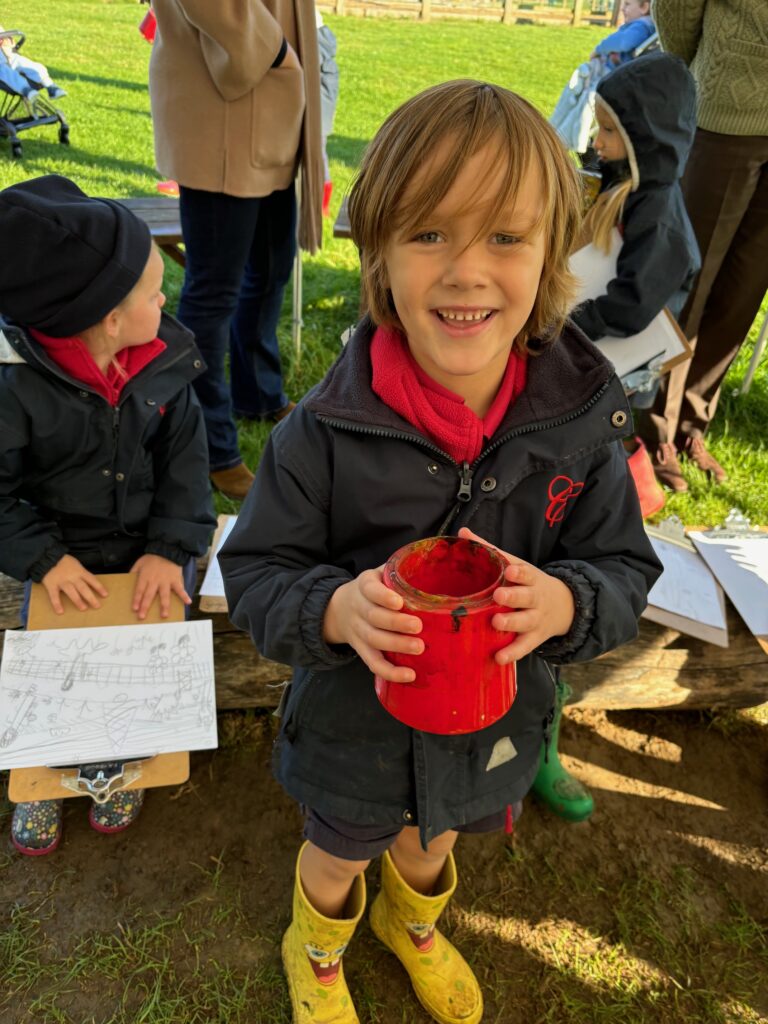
[(567, 375), (17, 346)]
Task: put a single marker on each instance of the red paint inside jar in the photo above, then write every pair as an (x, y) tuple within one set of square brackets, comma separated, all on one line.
[(448, 582)]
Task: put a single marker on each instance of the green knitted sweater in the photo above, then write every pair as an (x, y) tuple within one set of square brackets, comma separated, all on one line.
[(725, 43)]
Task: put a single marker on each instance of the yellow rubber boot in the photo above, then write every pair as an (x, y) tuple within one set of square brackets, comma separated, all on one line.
[(313, 947), (404, 921)]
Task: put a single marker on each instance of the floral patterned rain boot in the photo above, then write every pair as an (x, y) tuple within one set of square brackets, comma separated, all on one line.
[(313, 947), (36, 827), (118, 812), (404, 921), (554, 785)]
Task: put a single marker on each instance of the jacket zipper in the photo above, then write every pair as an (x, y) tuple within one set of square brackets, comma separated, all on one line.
[(465, 470)]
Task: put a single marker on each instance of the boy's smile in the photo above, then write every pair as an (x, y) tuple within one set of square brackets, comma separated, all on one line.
[(463, 290)]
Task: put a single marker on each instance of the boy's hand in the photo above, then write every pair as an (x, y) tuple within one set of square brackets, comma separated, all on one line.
[(70, 577), (543, 605), (157, 575), (366, 615)]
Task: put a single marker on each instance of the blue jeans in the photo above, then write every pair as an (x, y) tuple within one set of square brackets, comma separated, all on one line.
[(189, 572), (239, 259)]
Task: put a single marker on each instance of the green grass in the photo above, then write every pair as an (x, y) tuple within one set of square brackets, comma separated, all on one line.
[(93, 48)]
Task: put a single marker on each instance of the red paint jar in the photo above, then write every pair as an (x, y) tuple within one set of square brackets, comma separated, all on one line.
[(448, 582)]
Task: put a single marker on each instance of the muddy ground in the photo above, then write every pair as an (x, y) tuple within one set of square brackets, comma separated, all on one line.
[(638, 908)]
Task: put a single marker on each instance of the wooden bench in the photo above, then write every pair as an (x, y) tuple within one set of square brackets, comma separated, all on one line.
[(661, 669), (161, 215), (341, 226)]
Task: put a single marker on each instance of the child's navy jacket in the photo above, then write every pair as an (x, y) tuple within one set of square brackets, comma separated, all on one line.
[(343, 483), (104, 484), (653, 98)]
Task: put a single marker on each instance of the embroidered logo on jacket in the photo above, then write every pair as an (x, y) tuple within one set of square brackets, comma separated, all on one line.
[(561, 490)]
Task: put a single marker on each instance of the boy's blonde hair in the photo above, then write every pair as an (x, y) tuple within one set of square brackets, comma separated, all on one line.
[(472, 115)]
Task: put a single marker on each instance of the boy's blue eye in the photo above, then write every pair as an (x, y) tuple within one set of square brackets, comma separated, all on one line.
[(501, 238), (427, 236)]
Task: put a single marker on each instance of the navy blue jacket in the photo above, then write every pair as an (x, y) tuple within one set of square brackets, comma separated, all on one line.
[(104, 484), (343, 483), (654, 100)]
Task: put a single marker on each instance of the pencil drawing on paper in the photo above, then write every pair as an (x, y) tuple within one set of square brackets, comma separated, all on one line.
[(79, 695)]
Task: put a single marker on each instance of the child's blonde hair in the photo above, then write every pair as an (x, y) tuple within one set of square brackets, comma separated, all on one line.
[(605, 214), (472, 115)]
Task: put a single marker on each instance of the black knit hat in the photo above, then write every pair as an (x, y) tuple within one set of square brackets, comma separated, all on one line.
[(68, 259)]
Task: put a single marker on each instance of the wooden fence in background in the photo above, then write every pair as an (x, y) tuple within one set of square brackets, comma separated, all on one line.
[(563, 12)]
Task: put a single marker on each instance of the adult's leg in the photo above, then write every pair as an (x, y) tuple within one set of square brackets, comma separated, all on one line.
[(218, 233), (718, 186), (733, 302), (255, 368)]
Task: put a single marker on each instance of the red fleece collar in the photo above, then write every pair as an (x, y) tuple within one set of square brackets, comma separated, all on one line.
[(438, 413), (72, 356)]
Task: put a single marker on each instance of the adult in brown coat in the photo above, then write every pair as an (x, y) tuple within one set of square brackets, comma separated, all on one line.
[(235, 90)]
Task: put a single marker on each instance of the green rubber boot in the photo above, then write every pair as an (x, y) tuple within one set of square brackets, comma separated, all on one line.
[(554, 786)]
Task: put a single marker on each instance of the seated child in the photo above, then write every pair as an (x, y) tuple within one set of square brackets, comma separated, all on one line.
[(103, 457), (646, 115), (638, 26), (464, 403), (36, 74)]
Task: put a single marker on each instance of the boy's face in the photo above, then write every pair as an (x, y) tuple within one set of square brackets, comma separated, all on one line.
[(464, 299), (608, 143), (139, 316), (634, 9)]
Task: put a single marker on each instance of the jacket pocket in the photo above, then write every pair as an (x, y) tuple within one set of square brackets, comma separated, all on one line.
[(277, 111)]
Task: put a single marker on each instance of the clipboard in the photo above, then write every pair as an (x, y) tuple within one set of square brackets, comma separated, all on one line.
[(688, 596), (53, 783)]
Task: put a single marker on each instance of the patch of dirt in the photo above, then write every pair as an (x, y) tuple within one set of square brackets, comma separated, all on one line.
[(676, 846)]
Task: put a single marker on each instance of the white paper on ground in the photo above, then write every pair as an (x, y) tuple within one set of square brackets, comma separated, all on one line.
[(741, 565), (688, 590), (73, 696)]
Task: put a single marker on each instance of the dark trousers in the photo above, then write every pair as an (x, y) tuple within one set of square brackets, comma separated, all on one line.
[(239, 259), (726, 194)]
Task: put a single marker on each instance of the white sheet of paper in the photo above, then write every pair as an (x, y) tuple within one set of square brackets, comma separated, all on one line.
[(741, 566), (595, 269), (213, 584), (72, 696), (686, 587)]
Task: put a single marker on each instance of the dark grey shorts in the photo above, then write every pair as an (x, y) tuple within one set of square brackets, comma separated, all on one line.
[(364, 842)]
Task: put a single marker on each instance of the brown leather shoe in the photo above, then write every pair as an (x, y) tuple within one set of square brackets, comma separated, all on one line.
[(697, 452), (233, 482), (667, 468), (275, 417)]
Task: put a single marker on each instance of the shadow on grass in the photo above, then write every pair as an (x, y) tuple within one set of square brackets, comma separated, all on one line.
[(59, 75), (347, 150), (38, 149)]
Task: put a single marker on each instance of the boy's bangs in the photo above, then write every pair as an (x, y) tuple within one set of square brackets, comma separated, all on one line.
[(492, 121)]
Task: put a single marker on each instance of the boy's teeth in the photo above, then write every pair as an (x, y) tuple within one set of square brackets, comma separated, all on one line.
[(448, 314)]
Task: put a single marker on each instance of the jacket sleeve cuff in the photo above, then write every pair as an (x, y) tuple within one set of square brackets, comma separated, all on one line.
[(311, 616), (42, 566), (565, 647), (280, 54), (172, 552)]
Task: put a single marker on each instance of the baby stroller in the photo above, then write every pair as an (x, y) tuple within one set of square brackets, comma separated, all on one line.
[(573, 117), (18, 113)]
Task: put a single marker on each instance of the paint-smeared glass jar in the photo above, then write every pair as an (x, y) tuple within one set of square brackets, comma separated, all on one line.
[(448, 583)]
